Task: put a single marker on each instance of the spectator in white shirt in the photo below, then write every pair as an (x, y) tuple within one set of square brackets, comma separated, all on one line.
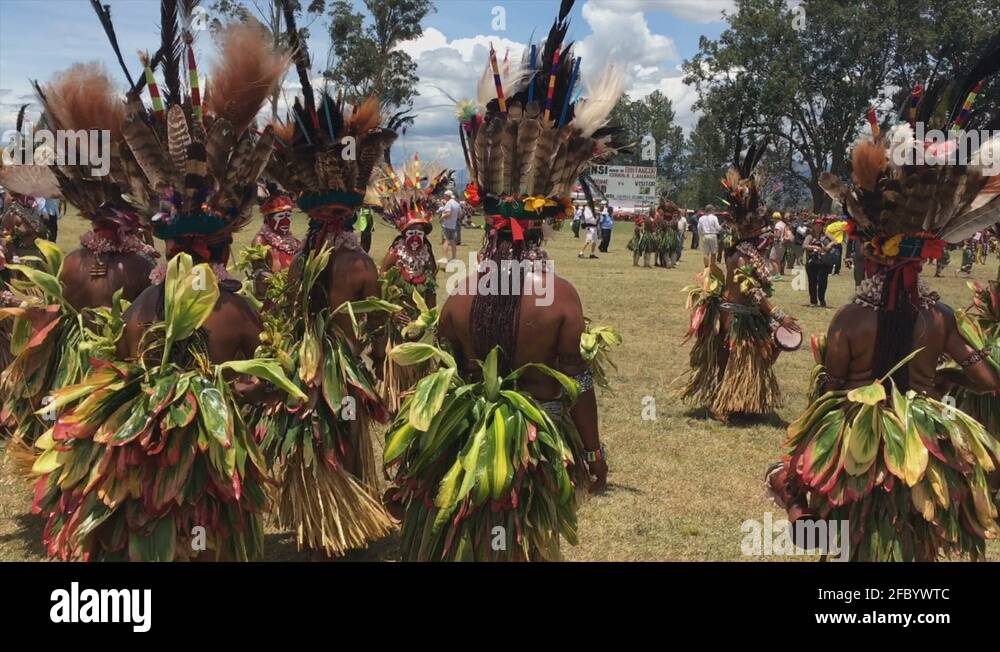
[(777, 254), (452, 213), (590, 224), (708, 234)]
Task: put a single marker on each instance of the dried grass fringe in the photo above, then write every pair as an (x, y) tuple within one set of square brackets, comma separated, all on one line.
[(748, 385)]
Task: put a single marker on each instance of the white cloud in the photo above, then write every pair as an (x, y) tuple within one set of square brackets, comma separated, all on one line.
[(618, 32), (702, 11)]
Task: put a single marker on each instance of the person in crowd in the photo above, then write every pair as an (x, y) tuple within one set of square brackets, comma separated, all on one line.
[(607, 224), (777, 254), (819, 254), (692, 221), (589, 223), (451, 213), (708, 231)]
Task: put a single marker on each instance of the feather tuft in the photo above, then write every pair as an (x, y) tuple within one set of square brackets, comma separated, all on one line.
[(247, 72)]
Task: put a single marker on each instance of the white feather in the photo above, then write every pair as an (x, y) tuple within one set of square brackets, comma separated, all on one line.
[(902, 144), (592, 113), (512, 77)]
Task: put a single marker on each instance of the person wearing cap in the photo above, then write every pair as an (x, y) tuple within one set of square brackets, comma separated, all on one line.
[(451, 214)]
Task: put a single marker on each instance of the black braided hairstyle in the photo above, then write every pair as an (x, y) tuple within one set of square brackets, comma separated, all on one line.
[(495, 316)]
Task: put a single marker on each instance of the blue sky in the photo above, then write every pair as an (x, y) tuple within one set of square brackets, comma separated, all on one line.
[(649, 38)]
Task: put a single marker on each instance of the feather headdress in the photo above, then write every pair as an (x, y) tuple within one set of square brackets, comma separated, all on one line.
[(194, 166), (82, 100), (526, 139), (26, 175), (409, 194), (742, 182), (919, 195), (326, 151)]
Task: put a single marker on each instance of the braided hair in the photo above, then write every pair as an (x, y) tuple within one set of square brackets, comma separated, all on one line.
[(495, 315)]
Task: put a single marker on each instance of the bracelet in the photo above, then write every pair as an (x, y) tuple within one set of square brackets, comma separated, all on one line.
[(975, 357), (777, 314), (595, 456), (586, 380)]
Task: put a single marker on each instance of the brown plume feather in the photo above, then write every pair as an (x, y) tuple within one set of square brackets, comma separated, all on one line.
[(246, 74), (221, 138), (83, 97), (147, 150), (366, 116), (868, 161), (542, 163), (527, 138)]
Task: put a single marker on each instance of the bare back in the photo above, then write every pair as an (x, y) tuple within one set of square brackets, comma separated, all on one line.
[(546, 334), (350, 276), (127, 271), (851, 348), (233, 327)]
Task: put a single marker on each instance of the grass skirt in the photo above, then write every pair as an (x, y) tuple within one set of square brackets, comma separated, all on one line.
[(488, 475), (906, 471)]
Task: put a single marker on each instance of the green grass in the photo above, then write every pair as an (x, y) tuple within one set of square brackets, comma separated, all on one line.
[(680, 485)]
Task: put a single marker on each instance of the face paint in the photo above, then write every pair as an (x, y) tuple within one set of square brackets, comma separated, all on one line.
[(280, 222), (414, 238)]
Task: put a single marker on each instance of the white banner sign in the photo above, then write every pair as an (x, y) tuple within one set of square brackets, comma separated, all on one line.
[(629, 184)]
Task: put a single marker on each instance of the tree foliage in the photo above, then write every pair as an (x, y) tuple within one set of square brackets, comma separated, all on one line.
[(805, 75), (364, 59), (650, 124)]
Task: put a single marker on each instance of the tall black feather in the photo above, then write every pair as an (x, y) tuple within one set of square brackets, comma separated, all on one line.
[(20, 114), (301, 57), (170, 45), (104, 15)]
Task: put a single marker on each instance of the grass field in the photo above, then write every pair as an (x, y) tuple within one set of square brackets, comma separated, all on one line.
[(680, 485)]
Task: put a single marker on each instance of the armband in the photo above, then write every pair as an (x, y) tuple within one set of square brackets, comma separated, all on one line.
[(974, 358)]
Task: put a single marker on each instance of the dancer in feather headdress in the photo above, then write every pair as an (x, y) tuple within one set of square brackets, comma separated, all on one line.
[(409, 198), (733, 352), (878, 447), (149, 456), (669, 244), (322, 454), (25, 174), (643, 242), (276, 231), (112, 263), (505, 434), (28, 181)]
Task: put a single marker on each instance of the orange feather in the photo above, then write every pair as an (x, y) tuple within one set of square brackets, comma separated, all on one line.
[(83, 97), (366, 116), (868, 161), (246, 74)]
